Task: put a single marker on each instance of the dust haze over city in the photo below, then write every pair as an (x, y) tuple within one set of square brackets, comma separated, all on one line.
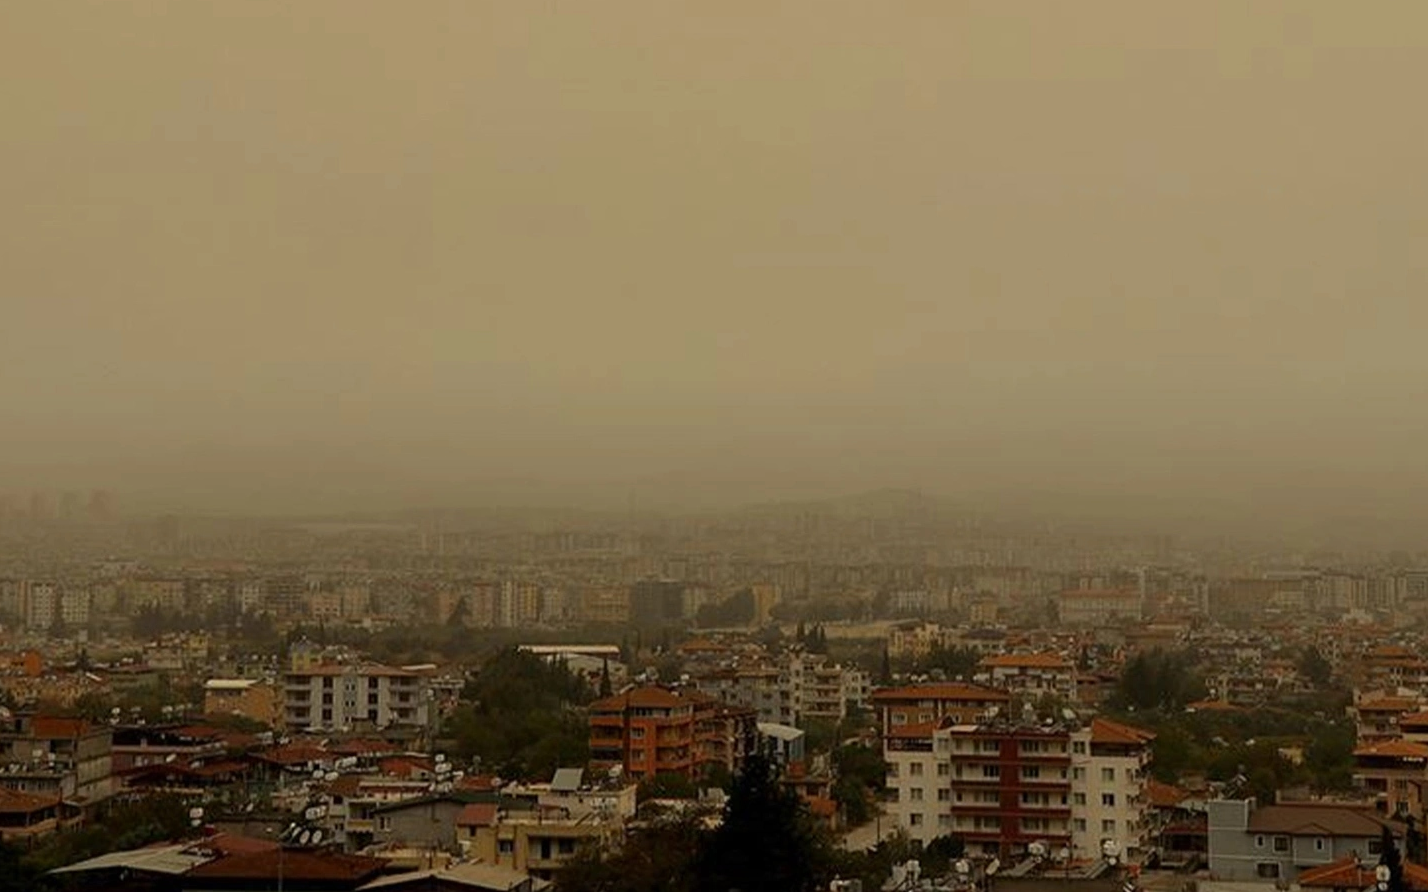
[(356, 257), (647, 447)]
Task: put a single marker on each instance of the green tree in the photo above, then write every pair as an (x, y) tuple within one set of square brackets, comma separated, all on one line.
[(767, 842), (659, 856), (667, 785), (1316, 670)]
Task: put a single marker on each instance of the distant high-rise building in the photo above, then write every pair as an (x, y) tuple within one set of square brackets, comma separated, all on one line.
[(70, 506), (102, 506), (41, 506)]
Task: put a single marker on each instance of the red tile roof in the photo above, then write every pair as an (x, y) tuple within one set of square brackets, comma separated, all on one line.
[(1107, 731), (648, 696), (477, 814), (1164, 795), (1348, 873), (298, 866), (942, 691), (921, 731), (56, 728), (15, 802), (1393, 749), (1026, 661)]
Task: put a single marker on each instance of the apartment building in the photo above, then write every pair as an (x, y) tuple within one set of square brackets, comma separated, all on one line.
[(922, 704), (57, 757), (334, 697), (1110, 765), (797, 687), (999, 786), (1393, 772), (1030, 674), (1098, 607), (652, 730), (252, 698), (644, 731)]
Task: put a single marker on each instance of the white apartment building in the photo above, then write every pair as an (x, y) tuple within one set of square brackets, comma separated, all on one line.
[(334, 697), (1110, 766), (41, 602), (1002, 786), (74, 607), (1033, 674), (799, 687)]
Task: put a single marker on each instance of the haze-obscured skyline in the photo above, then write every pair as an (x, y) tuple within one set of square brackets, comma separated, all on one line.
[(292, 257)]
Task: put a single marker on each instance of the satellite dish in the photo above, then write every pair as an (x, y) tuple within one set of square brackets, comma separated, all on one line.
[(304, 837), (171, 757), (993, 866), (316, 837), (440, 757), (195, 813), (1037, 850), (330, 776), (962, 866)]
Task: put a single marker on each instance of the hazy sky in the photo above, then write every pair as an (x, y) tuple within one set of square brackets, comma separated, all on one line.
[(306, 254)]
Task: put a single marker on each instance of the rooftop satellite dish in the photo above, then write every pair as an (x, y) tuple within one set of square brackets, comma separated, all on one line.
[(1037, 850), (195, 813), (316, 837), (304, 837), (993, 866), (318, 774), (171, 757), (330, 776), (440, 757), (962, 866)]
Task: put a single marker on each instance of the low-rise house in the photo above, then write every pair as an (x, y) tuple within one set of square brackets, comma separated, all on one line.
[(1250, 842)]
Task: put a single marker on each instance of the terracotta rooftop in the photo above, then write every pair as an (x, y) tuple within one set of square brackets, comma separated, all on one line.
[(1349, 873), (15, 802), (942, 691), (56, 728), (477, 814), (649, 696), (1027, 661), (1163, 795), (1109, 732), (298, 866), (1393, 749)]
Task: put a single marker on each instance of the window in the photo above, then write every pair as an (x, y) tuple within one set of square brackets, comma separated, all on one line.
[(944, 821), (327, 715), (1375, 846), (1108, 825), (1031, 772), (1318, 843), (327, 683), (371, 699), (1267, 870), (384, 823), (506, 846), (1078, 774), (991, 771), (915, 769), (1080, 825), (1108, 775), (915, 794), (1078, 747), (372, 715), (892, 769), (637, 733), (943, 769), (1259, 842), (1078, 798), (944, 794), (892, 794), (1281, 843), (326, 699), (372, 683), (1108, 800), (915, 819)]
